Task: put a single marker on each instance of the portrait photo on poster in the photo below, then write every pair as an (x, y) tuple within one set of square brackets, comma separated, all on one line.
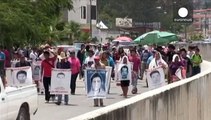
[(156, 78), (21, 76), (60, 75), (96, 83), (60, 81), (124, 72), (37, 70)]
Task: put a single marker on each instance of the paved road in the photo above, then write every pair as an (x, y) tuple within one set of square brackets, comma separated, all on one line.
[(79, 103)]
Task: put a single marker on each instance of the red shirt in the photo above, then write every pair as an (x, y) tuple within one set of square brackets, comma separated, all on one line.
[(75, 65), (136, 62), (47, 65)]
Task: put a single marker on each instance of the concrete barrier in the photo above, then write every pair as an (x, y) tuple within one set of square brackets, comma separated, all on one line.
[(188, 99)]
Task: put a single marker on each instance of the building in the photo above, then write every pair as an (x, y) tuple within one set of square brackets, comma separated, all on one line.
[(82, 11), (202, 21)]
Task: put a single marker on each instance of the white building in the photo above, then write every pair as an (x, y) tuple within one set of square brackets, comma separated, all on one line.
[(81, 13)]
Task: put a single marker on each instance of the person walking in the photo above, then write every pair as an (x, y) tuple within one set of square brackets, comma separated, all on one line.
[(98, 65), (46, 65), (134, 58), (75, 70), (196, 61), (63, 63)]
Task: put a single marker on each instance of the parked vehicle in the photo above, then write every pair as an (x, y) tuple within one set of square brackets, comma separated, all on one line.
[(17, 103)]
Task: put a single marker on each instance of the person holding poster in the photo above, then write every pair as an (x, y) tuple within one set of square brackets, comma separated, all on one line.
[(22, 62), (136, 66), (63, 63), (157, 64), (124, 73), (46, 66), (176, 67), (96, 79)]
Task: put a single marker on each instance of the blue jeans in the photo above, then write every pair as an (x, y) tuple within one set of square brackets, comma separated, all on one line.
[(66, 98)]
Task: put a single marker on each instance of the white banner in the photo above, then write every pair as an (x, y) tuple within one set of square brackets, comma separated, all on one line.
[(19, 76), (108, 77), (60, 81), (124, 22), (156, 78), (96, 83), (36, 70)]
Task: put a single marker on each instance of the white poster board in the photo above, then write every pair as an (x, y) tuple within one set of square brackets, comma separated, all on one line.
[(178, 73), (19, 76), (156, 78), (108, 77), (96, 83), (60, 81), (36, 70), (124, 72)]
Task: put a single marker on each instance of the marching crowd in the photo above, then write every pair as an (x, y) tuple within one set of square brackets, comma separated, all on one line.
[(142, 59)]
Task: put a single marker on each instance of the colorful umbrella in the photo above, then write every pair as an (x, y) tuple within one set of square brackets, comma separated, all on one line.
[(156, 37), (123, 39)]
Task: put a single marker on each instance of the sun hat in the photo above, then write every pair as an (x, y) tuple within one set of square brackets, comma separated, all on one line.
[(62, 56)]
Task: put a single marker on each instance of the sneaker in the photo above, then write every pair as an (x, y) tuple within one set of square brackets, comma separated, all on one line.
[(46, 101), (58, 103), (66, 103)]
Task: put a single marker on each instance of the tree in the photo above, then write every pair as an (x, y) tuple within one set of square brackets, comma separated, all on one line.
[(23, 22)]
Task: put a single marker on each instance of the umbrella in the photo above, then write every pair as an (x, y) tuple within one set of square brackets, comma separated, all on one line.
[(156, 37), (138, 39), (123, 39)]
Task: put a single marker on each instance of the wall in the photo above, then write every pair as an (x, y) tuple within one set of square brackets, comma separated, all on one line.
[(188, 99)]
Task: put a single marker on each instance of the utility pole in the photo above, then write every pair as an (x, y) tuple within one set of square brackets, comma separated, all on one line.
[(205, 24), (90, 22)]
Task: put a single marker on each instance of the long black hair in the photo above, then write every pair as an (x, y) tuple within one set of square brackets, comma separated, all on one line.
[(96, 74)]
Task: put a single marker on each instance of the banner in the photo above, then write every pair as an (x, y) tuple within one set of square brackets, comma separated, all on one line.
[(96, 83), (36, 70), (156, 78), (19, 76), (60, 81), (181, 73), (124, 72), (108, 77)]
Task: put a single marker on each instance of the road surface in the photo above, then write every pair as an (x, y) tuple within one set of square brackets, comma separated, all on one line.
[(79, 103)]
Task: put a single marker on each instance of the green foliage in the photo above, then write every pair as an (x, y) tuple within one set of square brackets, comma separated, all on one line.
[(196, 37), (140, 11), (68, 33), (25, 22)]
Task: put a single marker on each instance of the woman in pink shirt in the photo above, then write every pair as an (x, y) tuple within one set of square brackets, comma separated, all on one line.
[(136, 63), (75, 69)]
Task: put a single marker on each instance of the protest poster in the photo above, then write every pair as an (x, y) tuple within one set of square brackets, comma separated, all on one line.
[(108, 77), (96, 83), (36, 70), (124, 72), (60, 81), (156, 78), (19, 76)]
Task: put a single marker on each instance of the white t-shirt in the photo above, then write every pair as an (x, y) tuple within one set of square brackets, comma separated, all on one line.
[(33, 56), (89, 60)]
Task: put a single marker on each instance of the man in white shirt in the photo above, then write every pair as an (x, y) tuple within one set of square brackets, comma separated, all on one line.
[(89, 61), (33, 55)]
